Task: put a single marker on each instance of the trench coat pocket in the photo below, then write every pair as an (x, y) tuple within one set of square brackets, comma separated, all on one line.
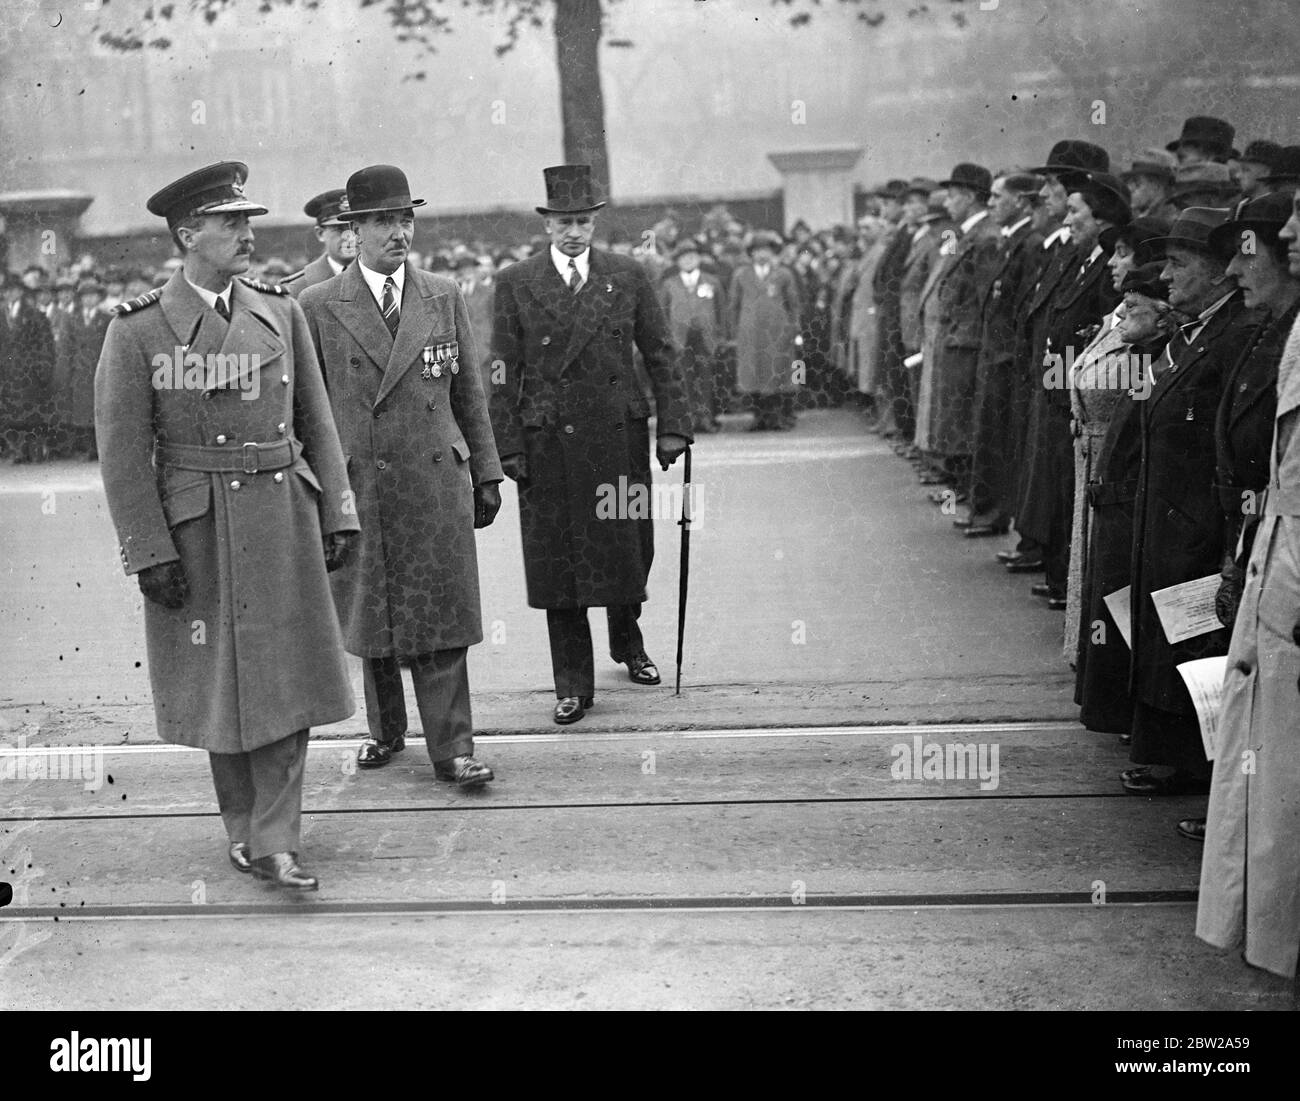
[(461, 450), (187, 502), (308, 475)]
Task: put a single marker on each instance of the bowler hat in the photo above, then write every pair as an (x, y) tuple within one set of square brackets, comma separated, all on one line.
[(377, 190), (920, 185), (570, 189), (1145, 280), (1262, 152), (764, 239), (326, 207), (214, 189), (1193, 227), (688, 244), (1107, 196), (1072, 156), (1263, 217), (973, 177), (1211, 134), (1287, 166), (1157, 163), (891, 189)]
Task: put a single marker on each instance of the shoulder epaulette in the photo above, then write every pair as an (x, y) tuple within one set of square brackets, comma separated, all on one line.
[(258, 285), (146, 299)]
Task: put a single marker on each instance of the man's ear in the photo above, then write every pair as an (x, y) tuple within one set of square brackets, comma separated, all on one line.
[(320, 234)]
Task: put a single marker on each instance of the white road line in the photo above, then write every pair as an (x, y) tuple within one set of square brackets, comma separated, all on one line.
[(581, 737)]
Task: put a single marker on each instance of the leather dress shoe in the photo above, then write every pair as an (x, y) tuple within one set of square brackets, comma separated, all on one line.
[(981, 526), (1006, 557), (569, 709), (1026, 565), (962, 522), (1133, 773), (241, 856), (1040, 588), (1126, 739), (376, 754), (282, 870), (465, 771), (1193, 828), (1177, 784), (641, 670)]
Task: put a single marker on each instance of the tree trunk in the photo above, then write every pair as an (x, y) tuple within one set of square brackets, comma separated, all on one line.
[(582, 106)]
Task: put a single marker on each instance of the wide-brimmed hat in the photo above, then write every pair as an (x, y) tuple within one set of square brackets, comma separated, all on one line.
[(1157, 163), (214, 189), (326, 207), (1263, 218), (1074, 156), (1287, 166), (764, 239), (1193, 227), (1143, 235), (1211, 134), (570, 189), (1107, 196), (920, 185), (1145, 280), (378, 189), (1262, 152), (973, 177)]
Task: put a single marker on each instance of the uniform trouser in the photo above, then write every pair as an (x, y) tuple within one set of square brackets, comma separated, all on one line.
[(260, 794), (571, 657), (441, 680)]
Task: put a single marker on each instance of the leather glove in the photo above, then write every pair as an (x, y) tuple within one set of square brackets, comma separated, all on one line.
[(1227, 599), (164, 584), (515, 467), (669, 449), (487, 503), (338, 546)]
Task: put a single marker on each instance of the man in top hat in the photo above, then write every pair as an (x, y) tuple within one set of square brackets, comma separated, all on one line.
[(1178, 522), (571, 422), (1150, 181), (1203, 139), (334, 231), (696, 305), (1255, 166), (227, 487), (401, 364)]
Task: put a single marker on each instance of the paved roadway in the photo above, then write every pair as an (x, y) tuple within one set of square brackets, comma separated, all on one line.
[(750, 844)]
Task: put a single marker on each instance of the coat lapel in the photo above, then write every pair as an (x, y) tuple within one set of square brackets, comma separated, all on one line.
[(419, 312), (251, 342), (590, 308), (548, 289), (198, 330), (358, 313)]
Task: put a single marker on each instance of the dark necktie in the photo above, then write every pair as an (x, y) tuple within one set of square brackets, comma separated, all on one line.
[(575, 277), (389, 306), (222, 309)]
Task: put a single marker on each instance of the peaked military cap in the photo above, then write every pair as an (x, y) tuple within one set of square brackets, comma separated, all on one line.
[(326, 207), (215, 189)]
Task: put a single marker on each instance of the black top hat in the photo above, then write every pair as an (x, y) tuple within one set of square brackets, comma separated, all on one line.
[(569, 190), (1262, 152), (1145, 280), (214, 189), (1263, 217), (378, 189), (327, 206), (974, 177), (1074, 156), (1193, 227), (1213, 135), (1286, 167)]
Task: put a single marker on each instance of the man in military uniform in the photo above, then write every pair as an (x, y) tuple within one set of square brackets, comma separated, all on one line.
[(400, 361), (571, 422), (227, 487), (335, 233)]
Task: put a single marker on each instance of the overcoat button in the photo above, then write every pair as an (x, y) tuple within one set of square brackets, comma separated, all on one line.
[(235, 485), (354, 361), (221, 439), (437, 456), (280, 428), (618, 332), (546, 340), (382, 465), (1254, 571), (206, 395), (279, 476), (433, 404), (568, 430), (378, 413), (284, 379), (1243, 668), (613, 380)]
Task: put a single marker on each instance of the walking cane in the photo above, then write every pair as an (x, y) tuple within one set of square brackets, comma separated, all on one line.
[(684, 572)]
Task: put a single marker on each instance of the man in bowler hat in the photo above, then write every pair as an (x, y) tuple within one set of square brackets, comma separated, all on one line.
[(571, 423), (400, 362), (334, 231), (227, 487)]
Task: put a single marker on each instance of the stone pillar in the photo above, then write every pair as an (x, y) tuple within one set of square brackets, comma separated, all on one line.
[(818, 184), (40, 227)]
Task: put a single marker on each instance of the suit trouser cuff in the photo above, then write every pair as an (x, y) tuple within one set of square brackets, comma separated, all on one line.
[(260, 794)]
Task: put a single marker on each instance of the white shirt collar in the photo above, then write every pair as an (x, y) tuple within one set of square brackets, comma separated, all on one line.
[(210, 297), (691, 278), (1011, 231), (335, 266), (1057, 236), (561, 262), (375, 281), (974, 220)]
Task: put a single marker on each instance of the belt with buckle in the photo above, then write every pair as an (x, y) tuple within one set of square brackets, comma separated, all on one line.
[(250, 458)]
